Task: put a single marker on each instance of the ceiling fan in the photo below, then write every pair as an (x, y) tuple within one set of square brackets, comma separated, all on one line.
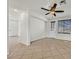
[(52, 10)]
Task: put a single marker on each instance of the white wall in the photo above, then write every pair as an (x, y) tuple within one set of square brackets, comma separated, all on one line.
[(31, 27), (28, 27), (37, 28)]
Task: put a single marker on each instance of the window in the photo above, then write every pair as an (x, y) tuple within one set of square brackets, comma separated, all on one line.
[(52, 25), (64, 26)]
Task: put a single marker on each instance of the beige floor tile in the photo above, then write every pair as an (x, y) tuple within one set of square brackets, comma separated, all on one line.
[(37, 56), (67, 56), (49, 57), (58, 57), (28, 52), (26, 57), (42, 49), (47, 54), (14, 57)]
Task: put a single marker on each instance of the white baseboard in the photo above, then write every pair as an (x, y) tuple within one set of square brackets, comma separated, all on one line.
[(68, 39), (38, 38)]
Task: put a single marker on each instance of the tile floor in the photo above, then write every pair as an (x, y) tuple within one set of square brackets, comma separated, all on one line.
[(42, 49)]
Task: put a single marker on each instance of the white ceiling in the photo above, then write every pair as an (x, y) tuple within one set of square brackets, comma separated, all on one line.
[(35, 6)]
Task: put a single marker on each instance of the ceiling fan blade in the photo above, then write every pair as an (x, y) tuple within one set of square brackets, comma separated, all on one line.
[(62, 1), (54, 14), (54, 7), (47, 13), (59, 11), (45, 9)]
